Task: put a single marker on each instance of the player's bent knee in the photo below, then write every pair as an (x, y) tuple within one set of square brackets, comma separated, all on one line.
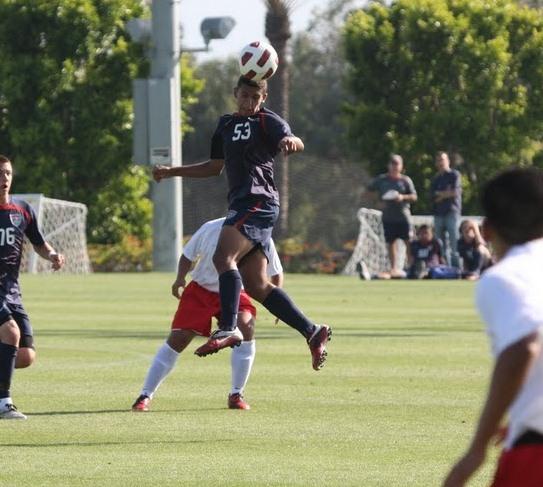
[(257, 290), (10, 333), (25, 358)]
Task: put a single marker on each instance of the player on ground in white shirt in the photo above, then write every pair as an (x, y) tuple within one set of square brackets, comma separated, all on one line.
[(198, 304), (510, 301)]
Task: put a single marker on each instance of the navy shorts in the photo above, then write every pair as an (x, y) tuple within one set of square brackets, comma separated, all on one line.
[(254, 221), (396, 230), (19, 315)]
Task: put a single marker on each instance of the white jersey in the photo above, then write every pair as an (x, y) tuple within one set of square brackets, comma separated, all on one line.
[(510, 300), (202, 246)]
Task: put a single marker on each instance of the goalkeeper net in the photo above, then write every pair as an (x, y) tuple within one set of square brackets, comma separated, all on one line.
[(63, 225), (371, 247)]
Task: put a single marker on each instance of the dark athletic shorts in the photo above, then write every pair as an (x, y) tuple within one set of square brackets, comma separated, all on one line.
[(18, 313), (396, 230), (255, 222)]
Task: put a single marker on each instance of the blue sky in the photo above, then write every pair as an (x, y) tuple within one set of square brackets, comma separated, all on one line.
[(249, 16)]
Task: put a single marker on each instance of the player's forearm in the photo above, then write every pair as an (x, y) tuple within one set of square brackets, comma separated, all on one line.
[(183, 268), (212, 167), (510, 371), (45, 251), (411, 198), (201, 170)]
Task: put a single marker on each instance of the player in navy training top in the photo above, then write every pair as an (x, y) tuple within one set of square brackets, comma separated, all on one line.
[(246, 143), (17, 220)]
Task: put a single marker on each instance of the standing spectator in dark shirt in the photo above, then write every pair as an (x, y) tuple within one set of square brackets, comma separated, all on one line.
[(446, 191), (396, 191), (473, 251), (426, 252)]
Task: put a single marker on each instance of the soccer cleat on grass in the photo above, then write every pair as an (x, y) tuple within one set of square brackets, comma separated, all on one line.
[(142, 404), (10, 412), (317, 343), (218, 340), (236, 401)]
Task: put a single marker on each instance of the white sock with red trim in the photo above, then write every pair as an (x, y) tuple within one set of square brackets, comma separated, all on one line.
[(162, 365), (242, 359)]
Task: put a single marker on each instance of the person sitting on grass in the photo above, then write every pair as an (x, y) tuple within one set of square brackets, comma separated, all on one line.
[(426, 252), (473, 251)]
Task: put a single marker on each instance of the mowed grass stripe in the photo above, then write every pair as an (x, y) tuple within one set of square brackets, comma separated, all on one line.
[(394, 406)]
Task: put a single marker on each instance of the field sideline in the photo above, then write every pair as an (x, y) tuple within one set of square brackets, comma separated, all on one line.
[(394, 405)]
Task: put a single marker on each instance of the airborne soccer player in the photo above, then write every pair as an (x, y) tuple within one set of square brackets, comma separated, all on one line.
[(17, 219), (245, 143), (510, 301), (198, 304)]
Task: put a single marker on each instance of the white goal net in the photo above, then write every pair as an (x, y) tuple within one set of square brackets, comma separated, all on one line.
[(371, 247), (63, 225)]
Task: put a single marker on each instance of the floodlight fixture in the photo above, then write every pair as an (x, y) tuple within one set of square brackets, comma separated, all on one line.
[(216, 28)]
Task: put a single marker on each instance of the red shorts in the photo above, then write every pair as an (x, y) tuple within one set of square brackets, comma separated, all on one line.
[(521, 466), (198, 305)]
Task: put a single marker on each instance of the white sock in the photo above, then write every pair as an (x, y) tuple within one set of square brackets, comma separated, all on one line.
[(5, 401), (162, 365), (242, 359)]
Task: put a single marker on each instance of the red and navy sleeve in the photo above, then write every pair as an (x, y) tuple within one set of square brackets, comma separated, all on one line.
[(32, 231)]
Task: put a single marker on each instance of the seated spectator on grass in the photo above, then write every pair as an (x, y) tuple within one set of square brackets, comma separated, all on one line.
[(426, 252), (473, 251)]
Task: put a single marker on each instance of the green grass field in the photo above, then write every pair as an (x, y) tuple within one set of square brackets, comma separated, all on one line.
[(394, 406)]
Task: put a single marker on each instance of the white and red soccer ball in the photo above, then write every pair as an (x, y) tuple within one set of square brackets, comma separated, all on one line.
[(258, 61)]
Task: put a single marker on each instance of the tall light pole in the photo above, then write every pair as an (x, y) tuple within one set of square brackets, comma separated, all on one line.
[(157, 117)]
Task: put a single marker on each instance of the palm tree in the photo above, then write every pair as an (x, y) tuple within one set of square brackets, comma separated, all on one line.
[(278, 32)]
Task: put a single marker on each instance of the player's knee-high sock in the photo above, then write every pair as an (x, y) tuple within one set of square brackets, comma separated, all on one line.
[(7, 365), (162, 365), (280, 305), (242, 359), (229, 289)]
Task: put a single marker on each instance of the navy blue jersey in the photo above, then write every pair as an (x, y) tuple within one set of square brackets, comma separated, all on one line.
[(430, 253), (248, 146), (17, 219)]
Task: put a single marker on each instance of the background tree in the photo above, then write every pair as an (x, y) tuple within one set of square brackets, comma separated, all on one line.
[(66, 68), (465, 76)]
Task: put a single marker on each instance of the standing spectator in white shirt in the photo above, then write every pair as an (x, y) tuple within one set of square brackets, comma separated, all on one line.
[(198, 304), (510, 301)]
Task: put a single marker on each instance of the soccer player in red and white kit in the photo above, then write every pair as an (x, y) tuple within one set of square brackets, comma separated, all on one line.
[(245, 144), (198, 304), (510, 300), (17, 220)]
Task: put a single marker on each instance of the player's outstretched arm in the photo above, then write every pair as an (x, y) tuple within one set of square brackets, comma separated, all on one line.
[(212, 167), (47, 252), (288, 145), (510, 372), (183, 269)]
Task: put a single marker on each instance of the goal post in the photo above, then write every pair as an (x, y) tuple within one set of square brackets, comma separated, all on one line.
[(63, 225), (370, 246)]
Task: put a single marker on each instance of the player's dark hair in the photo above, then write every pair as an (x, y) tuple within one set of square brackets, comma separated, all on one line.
[(512, 202), (423, 228), (263, 85), (4, 160)]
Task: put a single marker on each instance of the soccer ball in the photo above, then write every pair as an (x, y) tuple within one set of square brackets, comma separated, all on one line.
[(258, 61)]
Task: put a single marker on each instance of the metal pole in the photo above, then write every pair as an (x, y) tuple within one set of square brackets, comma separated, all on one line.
[(165, 131)]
